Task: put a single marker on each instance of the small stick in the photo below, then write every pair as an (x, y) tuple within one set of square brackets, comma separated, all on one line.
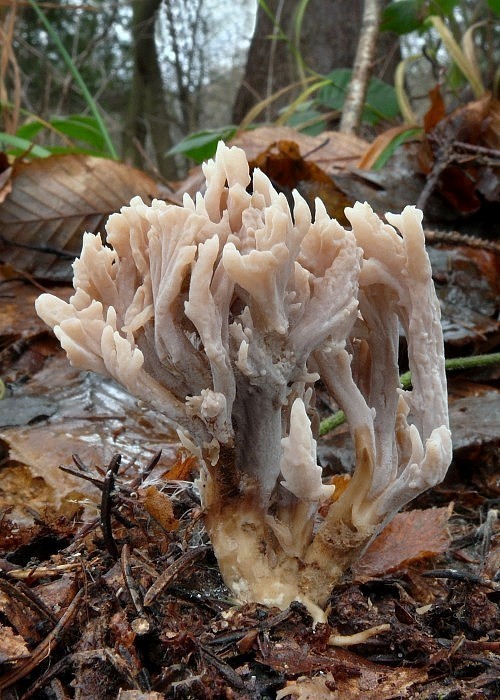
[(142, 476), (347, 640), (106, 506), (83, 475), (27, 597), (224, 668), (129, 579), (173, 570), (44, 648)]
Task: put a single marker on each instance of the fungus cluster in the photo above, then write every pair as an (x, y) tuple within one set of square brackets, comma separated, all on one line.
[(224, 313)]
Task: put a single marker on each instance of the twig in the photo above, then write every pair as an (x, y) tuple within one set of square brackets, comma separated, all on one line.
[(173, 570), (143, 475), (225, 669), (464, 576), (140, 624), (106, 506), (129, 579), (35, 572), (27, 598), (45, 647)]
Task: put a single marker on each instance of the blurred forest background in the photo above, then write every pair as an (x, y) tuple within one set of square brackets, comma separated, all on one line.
[(157, 71)]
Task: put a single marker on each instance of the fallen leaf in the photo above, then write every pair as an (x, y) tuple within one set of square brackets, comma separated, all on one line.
[(377, 683), (411, 536), (288, 170), (54, 201), (437, 109), (183, 468), (467, 285), (159, 507), (331, 151), (12, 646), (460, 147)]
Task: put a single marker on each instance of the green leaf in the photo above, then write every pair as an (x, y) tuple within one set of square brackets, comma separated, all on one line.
[(23, 146), (81, 128), (307, 119), (76, 127), (391, 147), (494, 6), (333, 95), (380, 103), (77, 77), (203, 144), (403, 16), (442, 7), (29, 130)]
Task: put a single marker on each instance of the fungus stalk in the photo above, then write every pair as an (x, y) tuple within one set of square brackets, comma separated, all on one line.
[(224, 313)]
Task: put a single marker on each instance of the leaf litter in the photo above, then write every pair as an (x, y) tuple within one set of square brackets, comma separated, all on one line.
[(108, 584)]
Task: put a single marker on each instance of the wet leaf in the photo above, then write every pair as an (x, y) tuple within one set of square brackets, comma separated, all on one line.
[(409, 537), (54, 201), (22, 410), (467, 285), (474, 419)]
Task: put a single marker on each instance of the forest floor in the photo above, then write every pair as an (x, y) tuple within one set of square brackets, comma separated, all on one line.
[(108, 584)]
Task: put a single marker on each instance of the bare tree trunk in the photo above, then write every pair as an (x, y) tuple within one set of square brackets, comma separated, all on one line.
[(147, 113), (329, 35), (363, 65), (269, 61)]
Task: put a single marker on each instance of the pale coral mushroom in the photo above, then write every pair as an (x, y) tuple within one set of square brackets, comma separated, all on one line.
[(223, 314)]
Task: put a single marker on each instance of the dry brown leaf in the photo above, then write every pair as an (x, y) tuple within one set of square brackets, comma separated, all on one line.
[(376, 683), (159, 507), (284, 165), (183, 468), (462, 148), (436, 111), (54, 201), (409, 537), (12, 646)]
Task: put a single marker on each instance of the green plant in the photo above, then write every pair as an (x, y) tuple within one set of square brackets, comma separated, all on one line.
[(76, 133), (436, 23), (320, 99)]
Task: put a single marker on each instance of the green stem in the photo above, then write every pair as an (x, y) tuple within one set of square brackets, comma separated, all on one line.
[(77, 78), (331, 422), (456, 363)]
